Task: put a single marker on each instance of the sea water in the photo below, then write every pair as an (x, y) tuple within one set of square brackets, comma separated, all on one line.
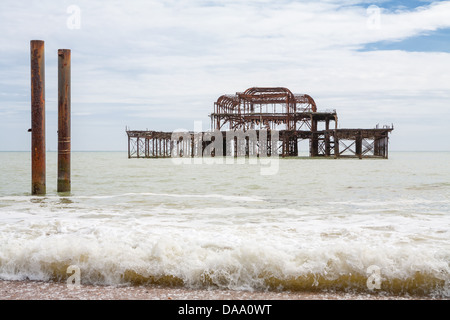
[(344, 225)]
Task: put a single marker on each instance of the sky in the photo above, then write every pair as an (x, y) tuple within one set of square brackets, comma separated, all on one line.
[(161, 64)]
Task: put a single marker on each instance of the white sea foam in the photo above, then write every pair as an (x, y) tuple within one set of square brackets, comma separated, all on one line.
[(296, 231), (106, 254), (143, 194)]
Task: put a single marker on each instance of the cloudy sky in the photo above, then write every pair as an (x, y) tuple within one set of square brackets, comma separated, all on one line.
[(161, 64)]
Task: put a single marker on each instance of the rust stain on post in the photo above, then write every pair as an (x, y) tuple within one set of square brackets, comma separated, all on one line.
[(63, 120), (37, 117)]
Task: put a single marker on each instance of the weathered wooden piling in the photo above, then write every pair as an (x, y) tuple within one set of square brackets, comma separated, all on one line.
[(38, 186), (64, 120)]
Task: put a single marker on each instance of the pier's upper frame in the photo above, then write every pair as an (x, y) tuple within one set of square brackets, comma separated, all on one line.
[(263, 108)]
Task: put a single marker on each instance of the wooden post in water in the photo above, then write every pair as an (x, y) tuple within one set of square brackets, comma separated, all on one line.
[(37, 117), (358, 145), (63, 120)]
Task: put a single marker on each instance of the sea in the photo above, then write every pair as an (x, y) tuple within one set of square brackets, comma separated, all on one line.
[(378, 226)]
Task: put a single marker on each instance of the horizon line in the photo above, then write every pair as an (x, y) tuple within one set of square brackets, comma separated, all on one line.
[(126, 151)]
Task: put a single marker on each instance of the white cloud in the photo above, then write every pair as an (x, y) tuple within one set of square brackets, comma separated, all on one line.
[(144, 59)]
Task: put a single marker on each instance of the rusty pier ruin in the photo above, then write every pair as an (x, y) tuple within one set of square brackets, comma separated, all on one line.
[(260, 113)]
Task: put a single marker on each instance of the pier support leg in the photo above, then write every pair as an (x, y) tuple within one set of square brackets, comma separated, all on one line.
[(38, 185), (327, 145), (224, 145), (386, 150), (64, 145), (137, 147), (336, 146), (358, 145), (129, 154), (295, 141), (376, 147), (314, 142), (327, 138)]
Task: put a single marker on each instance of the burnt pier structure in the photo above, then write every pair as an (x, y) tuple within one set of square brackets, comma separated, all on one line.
[(269, 121)]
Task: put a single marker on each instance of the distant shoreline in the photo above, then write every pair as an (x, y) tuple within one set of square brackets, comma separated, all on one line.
[(125, 151)]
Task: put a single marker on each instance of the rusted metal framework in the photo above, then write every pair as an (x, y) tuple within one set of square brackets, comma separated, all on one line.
[(258, 111), (361, 142), (263, 108), (149, 144)]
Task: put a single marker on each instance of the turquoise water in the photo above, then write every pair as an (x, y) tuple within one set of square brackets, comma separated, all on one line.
[(311, 224)]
